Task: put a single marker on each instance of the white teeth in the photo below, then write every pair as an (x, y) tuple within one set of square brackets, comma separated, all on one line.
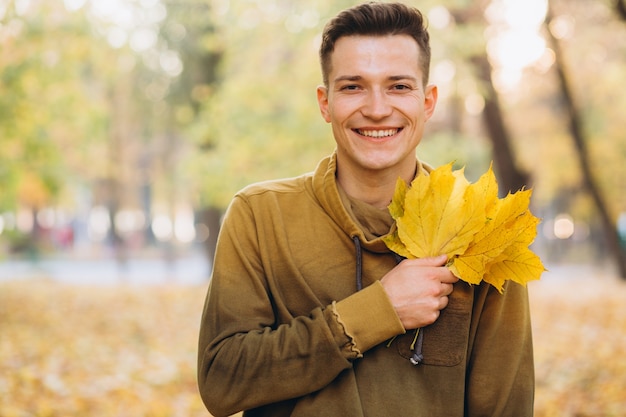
[(378, 133)]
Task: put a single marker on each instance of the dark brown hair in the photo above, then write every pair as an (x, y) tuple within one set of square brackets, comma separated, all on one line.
[(376, 19)]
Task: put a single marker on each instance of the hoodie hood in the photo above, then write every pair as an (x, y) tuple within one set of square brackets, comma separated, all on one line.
[(326, 191)]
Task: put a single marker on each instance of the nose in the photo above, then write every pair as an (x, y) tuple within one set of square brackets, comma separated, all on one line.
[(376, 105)]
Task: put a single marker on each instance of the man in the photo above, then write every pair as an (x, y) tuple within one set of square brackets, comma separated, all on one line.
[(308, 312)]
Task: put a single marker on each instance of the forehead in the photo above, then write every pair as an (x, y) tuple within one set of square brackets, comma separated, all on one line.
[(375, 55)]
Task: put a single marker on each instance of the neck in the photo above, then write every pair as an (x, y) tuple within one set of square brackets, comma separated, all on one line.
[(372, 187)]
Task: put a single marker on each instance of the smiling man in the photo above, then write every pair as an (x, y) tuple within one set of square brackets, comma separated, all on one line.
[(377, 102), (308, 313)]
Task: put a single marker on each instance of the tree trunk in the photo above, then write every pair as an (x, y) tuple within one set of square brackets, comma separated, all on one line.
[(620, 8), (211, 217), (119, 109), (510, 177), (578, 136)]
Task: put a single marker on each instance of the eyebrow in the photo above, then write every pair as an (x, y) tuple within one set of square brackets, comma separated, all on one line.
[(358, 78), (348, 78)]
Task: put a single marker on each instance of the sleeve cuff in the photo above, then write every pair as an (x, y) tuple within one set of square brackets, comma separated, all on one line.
[(369, 317)]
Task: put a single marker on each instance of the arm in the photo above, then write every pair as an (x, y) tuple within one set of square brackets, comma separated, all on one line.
[(501, 367), (251, 353)]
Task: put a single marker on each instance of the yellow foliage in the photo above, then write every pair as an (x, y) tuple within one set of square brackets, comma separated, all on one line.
[(485, 237), (32, 191)]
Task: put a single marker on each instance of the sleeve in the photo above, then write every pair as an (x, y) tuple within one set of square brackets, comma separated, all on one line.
[(246, 360), (501, 377)]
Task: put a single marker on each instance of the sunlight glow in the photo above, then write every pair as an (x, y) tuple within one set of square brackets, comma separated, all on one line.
[(562, 27), (162, 228), (121, 21), (135, 24), (517, 14), (117, 37), (563, 226), (516, 48), (171, 63), (21, 7), (443, 72), (305, 20), (184, 228), (129, 221), (221, 7), (73, 5), (143, 39), (474, 104), (99, 223), (514, 40), (439, 17)]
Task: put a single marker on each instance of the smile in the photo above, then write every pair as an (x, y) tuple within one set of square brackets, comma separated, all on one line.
[(377, 133)]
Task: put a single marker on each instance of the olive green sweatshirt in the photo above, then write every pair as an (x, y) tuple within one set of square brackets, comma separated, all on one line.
[(285, 332)]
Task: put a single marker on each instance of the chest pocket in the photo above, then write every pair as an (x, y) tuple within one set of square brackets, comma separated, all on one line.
[(445, 341)]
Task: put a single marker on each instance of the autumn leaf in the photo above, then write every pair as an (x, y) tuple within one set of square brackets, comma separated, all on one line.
[(425, 228), (509, 221), (484, 237)]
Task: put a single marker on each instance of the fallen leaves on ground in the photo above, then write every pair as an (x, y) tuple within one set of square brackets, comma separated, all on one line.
[(98, 350), (579, 333), (118, 351)]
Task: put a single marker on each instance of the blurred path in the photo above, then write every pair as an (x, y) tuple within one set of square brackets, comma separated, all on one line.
[(559, 272), (188, 269), (193, 268)]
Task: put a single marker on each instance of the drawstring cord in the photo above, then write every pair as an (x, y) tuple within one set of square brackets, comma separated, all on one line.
[(416, 346), (359, 263)]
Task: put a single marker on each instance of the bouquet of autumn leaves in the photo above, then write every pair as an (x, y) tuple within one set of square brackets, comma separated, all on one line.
[(485, 237)]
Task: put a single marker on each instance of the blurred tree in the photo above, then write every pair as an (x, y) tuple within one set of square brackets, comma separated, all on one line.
[(170, 59), (261, 121), (620, 8), (189, 30), (575, 122), (50, 122), (510, 176)]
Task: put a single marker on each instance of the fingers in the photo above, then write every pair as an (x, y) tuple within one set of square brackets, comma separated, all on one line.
[(443, 274), (434, 261), (443, 302), (446, 289), (448, 278)]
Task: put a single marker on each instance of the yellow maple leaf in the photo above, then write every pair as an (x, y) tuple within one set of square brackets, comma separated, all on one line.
[(507, 220), (485, 238), (426, 228), (517, 263)]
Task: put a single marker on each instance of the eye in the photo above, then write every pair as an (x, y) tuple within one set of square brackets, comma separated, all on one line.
[(349, 87), (402, 87)]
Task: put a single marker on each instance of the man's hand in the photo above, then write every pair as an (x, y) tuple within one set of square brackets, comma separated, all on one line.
[(419, 289)]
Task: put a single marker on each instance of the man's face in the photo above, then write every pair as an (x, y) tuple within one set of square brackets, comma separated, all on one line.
[(376, 102)]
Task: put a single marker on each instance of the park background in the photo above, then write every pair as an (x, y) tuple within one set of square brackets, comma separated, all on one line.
[(127, 125)]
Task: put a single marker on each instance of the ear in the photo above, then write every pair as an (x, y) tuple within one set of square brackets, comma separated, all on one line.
[(430, 100), (322, 101)]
